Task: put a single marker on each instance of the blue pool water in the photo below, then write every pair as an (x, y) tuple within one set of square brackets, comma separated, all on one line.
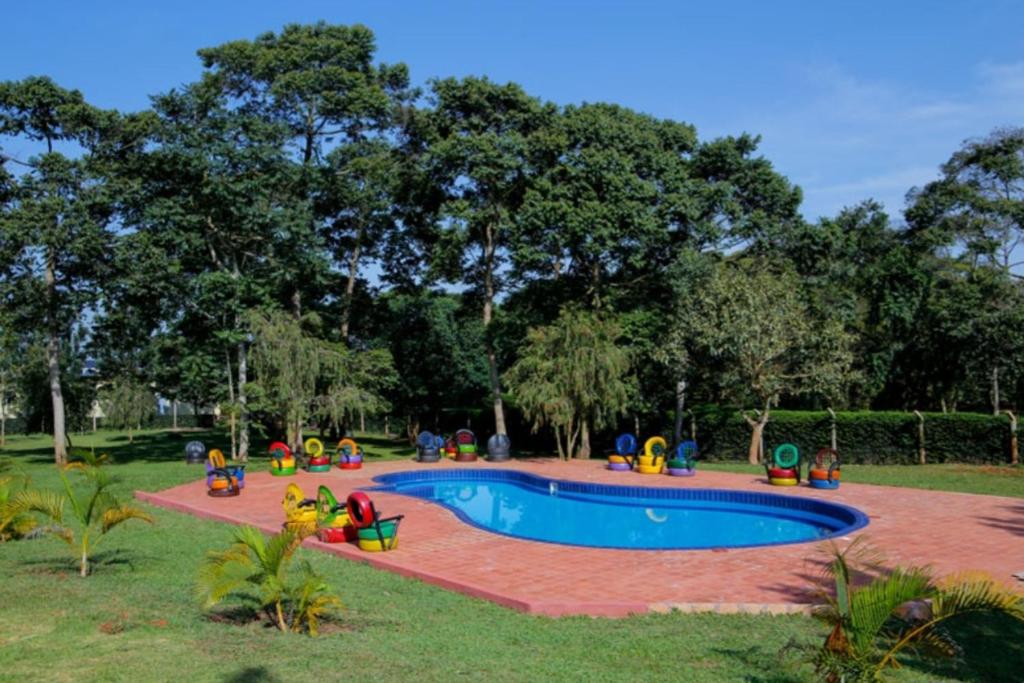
[(575, 513)]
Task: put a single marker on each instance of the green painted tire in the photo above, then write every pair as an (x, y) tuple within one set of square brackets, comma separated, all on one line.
[(678, 465), (387, 529), (283, 472), (319, 468), (467, 448), (786, 456)]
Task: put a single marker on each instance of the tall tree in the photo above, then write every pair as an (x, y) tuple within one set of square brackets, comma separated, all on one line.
[(480, 138), (55, 228)]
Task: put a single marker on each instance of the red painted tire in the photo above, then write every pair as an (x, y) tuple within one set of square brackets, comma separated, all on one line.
[(779, 473), (360, 509), (343, 534), (279, 446), (319, 462), (350, 465)]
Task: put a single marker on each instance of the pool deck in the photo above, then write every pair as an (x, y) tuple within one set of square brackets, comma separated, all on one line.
[(949, 531)]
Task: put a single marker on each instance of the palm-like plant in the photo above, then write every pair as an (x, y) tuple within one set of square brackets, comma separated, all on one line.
[(13, 524), (92, 516), (898, 609), (262, 565)]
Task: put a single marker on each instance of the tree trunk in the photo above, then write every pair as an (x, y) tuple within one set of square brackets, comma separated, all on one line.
[(1014, 454), (492, 361), (387, 426), (231, 408), (362, 420), (243, 411), (995, 391), (174, 414), (922, 455), (60, 452), (350, 285), (584, 452), (680, 405), (755, 454)]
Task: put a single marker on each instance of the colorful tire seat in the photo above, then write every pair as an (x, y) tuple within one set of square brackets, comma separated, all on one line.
[(465, 442), (300, 513), (653, 459), (332, 521), (684, 463), (195, 452), (825, 474), (499, 448), (317, 460), (375, 533), (451, 449), (426, 448), (223, 480), (625, 454), (784, 468), (282, 462), (349, 455)]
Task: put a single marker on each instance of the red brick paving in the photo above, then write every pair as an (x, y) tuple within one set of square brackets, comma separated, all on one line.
[(950, 531)]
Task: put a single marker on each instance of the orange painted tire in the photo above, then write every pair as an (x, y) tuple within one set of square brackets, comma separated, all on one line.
[(823, 474), (360, 509), (616, 459)]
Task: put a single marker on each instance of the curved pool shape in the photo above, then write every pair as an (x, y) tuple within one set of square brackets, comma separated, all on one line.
[(601, 516)]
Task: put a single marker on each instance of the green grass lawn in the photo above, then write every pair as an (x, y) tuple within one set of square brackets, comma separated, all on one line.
[(137, 617)]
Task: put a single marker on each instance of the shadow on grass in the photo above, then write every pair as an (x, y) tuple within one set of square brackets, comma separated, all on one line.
[(252, 674), (101, 561), (765, 666)]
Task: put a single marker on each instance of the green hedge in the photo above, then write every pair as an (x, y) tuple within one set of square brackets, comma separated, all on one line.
[(862, 437)]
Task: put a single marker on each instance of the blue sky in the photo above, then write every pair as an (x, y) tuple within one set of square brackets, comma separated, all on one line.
[(853, 99)]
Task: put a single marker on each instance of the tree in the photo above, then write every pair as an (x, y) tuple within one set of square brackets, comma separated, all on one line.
[(55, 229), (256, 563), (978, 204), (92, 515), (479, 139), (574, 376), (320, 83), (755, 324), (127, 403)]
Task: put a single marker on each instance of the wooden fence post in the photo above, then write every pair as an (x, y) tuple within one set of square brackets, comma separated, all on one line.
[(1014, 456), (920, 437)]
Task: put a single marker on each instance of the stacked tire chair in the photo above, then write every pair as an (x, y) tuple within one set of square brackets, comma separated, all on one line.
[(300, 513), (499, 448), (316, 459), (784, 469), (427, 449), (223, 480), (465, 440), (451, 449), (333, 524), (653, 459), (375, 533), (684, 463), (282, 462), (195, 452), (824, 473), (625, 453), (350, 456)]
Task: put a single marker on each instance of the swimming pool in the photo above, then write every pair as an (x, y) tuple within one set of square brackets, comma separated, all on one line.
[(528, 506)]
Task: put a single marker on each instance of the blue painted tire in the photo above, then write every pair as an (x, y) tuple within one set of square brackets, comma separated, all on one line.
[(824, 484), (619, 466), (681, 472)]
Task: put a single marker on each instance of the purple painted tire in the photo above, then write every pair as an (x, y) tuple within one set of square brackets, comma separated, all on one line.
[(619, 466), (681, 472)]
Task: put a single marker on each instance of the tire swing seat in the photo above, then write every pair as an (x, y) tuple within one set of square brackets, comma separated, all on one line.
[(499, 448), (824, 474), (350, 457), (195, 452), (333, 525), (282, 462), (625, 454), (784, 470), (299, 512), (318, 461), (684, 463), (653, 459), (375, 533), (223, 480), (427, 449), (465, 443)]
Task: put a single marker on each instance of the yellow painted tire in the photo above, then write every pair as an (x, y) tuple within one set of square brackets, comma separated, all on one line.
[(783, 482), (649, 469), (314, 447), (616, 458), (217, 459), (655, 447), (373, 545)]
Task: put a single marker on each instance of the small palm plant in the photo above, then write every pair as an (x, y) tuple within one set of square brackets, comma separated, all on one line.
[(897, 609), (93, 514), (262, 565), (13, 524)]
